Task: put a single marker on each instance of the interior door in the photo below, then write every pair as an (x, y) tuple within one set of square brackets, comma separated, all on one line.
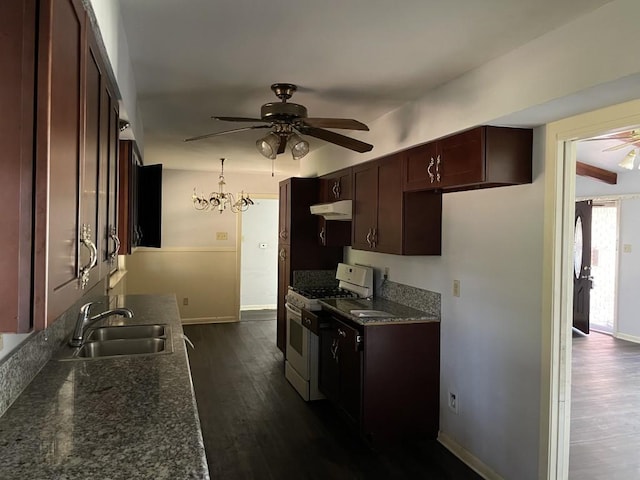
[(582, 280)]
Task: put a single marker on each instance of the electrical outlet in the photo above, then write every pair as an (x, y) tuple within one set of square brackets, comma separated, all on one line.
[(453, 402), (185, 301), (222, 236), (456, 288)]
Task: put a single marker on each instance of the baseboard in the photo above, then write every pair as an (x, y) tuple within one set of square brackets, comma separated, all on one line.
[(627, 337), (258, 307), (204, 320), (473, 462)]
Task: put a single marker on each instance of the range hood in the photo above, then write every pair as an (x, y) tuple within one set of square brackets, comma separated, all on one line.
[(333, 211)]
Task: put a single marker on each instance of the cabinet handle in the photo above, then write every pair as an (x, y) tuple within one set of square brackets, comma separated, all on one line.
[(369, 239), (336, 189), (431, 164), (334, 349), (374, 237), (438, 169), (283, 255), (116, 240), (342, 333), (283, 234), (323, 236), (85, 239)]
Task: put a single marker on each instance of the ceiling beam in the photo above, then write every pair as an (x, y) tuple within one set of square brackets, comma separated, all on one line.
[(606, 176)]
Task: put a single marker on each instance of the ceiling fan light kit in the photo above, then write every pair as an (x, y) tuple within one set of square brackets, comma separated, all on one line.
[(629, 160), (288, 121)]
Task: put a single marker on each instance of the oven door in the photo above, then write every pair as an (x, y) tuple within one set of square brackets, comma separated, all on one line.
[(297, 342)]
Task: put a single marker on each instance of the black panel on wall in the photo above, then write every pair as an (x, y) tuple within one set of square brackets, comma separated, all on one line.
[(149, 205)]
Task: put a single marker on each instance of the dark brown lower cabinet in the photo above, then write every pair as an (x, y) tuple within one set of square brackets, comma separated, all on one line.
[(383, 379)]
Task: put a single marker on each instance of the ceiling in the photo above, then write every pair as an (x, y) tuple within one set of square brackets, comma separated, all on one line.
[(355, 59), (597, 152)]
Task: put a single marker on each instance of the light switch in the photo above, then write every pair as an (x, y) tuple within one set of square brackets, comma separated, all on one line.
[(456, 288), (222, 236), (626, 248)]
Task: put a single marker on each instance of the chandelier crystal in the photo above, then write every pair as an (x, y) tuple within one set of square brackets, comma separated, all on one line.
[(220, 200)]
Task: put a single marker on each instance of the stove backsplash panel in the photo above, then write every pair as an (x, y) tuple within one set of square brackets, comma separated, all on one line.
[(314, 278)]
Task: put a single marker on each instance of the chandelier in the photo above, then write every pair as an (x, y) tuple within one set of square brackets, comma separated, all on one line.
[(220, 200)]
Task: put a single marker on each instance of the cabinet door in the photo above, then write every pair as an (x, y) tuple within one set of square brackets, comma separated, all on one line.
[(60, 147), (462, 158), (365, 206), (113, 239), (389, 231), (284, 276), (93, 186), (17, 60), (336, 186), (350, 362), (420, 171), (328, 368), (284, 214)]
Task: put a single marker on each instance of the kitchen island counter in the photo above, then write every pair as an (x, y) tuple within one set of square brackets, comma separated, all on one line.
[(385, 311), (117, 418)]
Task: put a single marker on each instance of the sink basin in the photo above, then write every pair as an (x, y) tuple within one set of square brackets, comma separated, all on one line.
[(112, 348), (370, 313), (127, 332), (120, 341)]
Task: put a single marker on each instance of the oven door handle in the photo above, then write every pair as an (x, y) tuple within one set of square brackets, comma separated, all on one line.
[(293, 310)]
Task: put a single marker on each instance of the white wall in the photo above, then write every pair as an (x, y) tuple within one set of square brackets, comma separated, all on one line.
[(629, 269), (107, 16), (492, 336), (259, 266), (9, 341)]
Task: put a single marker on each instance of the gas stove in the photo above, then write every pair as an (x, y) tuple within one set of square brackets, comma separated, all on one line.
[(355, 282)]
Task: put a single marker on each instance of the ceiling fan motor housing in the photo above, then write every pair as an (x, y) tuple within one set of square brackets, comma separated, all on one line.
[(281, 111)]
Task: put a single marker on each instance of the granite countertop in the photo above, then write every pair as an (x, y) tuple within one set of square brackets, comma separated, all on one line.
[(115, 418), (397, 312)]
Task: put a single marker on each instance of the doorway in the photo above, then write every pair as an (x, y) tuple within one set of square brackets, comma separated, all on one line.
[(560, 178), (258, 238)]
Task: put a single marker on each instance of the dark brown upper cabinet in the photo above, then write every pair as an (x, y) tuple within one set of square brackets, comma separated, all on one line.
[(334, 187), (57, 180), (482, 157), (388, 220)]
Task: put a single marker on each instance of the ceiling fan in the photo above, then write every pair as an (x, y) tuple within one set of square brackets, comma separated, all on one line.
[(287, 120), (629, 138)]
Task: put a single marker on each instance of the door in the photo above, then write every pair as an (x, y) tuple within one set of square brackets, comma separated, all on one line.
[(582, 280)]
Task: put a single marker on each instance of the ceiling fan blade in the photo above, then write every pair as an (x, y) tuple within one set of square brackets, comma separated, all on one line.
[(341, 140), (622, 145), (235, 130), (282, 145), (344, 123), (239, 119)]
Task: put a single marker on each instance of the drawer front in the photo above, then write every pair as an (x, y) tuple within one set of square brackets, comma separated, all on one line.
[(310, 320)]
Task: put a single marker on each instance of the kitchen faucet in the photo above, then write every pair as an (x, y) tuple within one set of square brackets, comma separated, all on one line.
[(84, 321)]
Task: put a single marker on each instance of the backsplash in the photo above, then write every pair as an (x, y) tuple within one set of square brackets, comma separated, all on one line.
[(314, 278), (414, 297), (23, 364)]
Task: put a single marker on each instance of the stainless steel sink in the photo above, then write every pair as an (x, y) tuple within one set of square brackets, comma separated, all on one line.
[(127, 332), (121, 341), (112, 348)]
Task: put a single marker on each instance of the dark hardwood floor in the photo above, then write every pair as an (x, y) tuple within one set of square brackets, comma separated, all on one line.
[(605, 405), (255, 426)]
